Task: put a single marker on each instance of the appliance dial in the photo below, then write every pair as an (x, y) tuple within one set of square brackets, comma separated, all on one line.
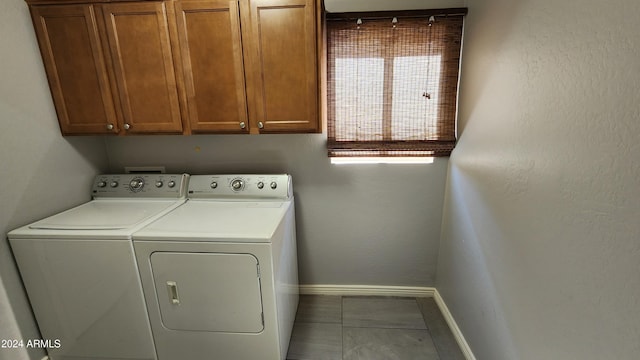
[(159, 183), (237, 184), (136, 184), (102, 184), (114, 184), (214, 184), (260, 185), (171, 184), (274, 185)]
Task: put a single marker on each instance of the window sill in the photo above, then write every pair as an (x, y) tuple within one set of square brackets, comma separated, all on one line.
[(380, 160)]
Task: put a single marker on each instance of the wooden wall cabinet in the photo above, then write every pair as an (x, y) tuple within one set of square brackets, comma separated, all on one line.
[(184, 66), (282, 56), (75, 65), (140, 47), (250, 65), (109, 67), (211, 49)]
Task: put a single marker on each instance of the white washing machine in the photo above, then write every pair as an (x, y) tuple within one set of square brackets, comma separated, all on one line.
[(220, 273), (80, 271)]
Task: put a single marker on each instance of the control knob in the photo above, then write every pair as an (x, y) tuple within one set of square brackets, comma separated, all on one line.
[(136, 184), (260, 185), (237, 184), (114, 184), (159, 183), (214, 184), (102, 184), (273, 185), (171, 184)]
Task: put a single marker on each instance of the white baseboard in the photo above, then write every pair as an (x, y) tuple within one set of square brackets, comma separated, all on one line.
[(365, 290), (402, 291), (457, 334)]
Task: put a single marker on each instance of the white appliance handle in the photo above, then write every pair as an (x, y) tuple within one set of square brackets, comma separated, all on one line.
[(172, 287)]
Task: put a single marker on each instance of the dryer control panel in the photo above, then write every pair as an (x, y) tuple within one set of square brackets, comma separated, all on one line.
[(241, 187), (140, 186)]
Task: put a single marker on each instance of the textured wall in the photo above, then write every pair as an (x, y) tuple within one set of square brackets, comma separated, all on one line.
[(540, 250), (42, 172), (357, 224)]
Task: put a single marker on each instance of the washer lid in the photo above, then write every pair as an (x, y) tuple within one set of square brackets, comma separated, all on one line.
[(104, 215), (204, 220)]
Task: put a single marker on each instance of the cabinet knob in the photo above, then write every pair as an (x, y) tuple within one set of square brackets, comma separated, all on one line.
[(109, 126), (127, 126), (260, 125), (243, 125)]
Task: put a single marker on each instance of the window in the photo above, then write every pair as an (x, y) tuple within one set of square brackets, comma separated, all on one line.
[(392, 83)]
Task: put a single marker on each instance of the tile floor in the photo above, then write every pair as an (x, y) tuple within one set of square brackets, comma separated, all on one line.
[(371, 328)]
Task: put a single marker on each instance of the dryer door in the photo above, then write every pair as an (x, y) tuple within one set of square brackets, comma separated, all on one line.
[(216, 292)]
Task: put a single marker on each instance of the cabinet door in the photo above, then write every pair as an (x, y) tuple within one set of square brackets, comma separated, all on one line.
[(282, 54), (140, 47), (211, 49), (74, 62)]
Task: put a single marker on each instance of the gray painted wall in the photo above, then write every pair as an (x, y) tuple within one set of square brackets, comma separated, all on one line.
[(42, 172), (357, 224), (540, 250)]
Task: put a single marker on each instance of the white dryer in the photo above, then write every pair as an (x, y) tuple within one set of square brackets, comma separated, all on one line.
[(80, 271), (220, 273)]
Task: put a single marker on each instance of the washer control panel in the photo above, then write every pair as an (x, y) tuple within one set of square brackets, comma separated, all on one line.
[(245, 186), (140, 185)]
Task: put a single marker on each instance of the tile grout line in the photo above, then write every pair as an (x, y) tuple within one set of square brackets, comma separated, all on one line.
[(426, 323), (382, 328), (342, 327)]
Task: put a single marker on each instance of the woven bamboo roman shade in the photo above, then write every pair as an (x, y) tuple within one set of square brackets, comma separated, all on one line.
[(392, 84)]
